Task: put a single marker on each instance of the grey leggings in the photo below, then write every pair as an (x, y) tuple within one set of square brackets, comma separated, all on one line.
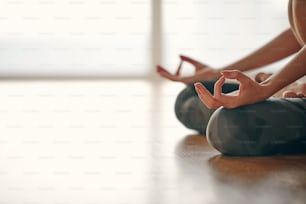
[(275, 126)]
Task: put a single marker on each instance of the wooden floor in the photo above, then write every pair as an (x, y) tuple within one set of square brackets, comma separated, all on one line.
[(118, 142)]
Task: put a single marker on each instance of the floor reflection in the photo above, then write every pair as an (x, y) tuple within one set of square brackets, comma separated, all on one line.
[(88, 142), (285, 171), (278, 179), (193, 152), (192, 144)]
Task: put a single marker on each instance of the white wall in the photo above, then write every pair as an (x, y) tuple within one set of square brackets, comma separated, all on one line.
[(113, 37), (74, 37), (220, 31)]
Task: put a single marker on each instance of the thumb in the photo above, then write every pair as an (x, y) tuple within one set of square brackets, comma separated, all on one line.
[(236, 74)]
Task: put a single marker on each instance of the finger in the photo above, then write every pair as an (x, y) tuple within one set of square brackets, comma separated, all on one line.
[(188, 59), (289, 94), (300, 95), (164, 73), (236, 74), (178, 71), (206, 97), (160, 69), (218, 87), (192, 61)]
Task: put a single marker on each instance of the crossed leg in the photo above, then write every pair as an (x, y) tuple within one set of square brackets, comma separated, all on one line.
[(270, 127)]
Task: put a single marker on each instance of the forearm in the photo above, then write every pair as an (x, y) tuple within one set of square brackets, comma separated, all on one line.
[(281, 47), (294, 70)]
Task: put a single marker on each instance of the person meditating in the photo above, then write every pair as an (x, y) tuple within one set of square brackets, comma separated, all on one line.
[(253, 117)]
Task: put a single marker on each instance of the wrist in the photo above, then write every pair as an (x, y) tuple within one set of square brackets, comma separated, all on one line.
[(268, 89)]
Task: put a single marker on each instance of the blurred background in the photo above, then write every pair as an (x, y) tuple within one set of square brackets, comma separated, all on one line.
[(113, 137), (125, 39)]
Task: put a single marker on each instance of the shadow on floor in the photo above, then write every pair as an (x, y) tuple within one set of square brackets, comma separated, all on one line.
[(191, 145)]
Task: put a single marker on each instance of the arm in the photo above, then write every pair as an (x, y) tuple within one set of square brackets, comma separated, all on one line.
[(282, 46), (294, 70), (250, 91)]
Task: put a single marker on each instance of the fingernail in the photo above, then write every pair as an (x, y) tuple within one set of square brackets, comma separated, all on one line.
[(222, 78), (197, 85)]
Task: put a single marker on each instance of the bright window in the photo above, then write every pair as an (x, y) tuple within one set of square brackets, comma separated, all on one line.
[(75, 37), (217, 32), (115, 37)]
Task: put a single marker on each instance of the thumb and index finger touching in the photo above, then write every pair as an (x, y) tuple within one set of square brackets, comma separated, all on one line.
[(198, 65), (237, 75), (219, 99)]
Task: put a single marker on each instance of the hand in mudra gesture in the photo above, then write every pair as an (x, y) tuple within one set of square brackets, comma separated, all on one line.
[(202, 72), (249, 91)]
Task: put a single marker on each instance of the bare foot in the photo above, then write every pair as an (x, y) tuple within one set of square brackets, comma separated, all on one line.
[(261, 76), (295, 90)]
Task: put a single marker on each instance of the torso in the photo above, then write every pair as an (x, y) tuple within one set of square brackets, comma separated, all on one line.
[(296, 17)]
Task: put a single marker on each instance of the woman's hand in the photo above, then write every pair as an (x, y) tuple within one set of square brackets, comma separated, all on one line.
[(249, 92), (202, 72)]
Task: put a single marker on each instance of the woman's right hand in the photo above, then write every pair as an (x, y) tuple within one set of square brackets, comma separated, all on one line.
[(202, 72)]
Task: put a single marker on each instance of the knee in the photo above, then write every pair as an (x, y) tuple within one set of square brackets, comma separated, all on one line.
[(230, 133), (190, 111), (180, 102)]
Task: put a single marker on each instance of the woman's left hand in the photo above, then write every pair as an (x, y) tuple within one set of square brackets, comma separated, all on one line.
[(249, 92)]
